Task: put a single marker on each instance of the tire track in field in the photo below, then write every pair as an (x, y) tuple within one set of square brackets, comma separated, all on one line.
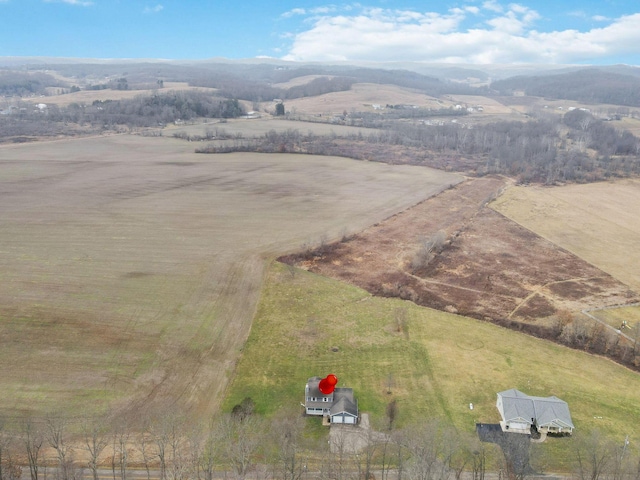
[(194, 372)]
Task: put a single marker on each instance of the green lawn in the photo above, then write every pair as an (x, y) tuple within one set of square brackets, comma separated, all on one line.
[(615, 317), (438, 365)]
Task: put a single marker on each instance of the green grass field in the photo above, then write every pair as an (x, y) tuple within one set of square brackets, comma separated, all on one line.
[(615, 317), (438, 365)]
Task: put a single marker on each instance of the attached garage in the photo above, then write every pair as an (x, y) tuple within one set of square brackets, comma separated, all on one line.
[(345, 418), (518, 426), (344, 410)]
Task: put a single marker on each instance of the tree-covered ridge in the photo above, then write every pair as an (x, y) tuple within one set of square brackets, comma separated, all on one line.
[(588, 86), (24, 84), (256, 82)]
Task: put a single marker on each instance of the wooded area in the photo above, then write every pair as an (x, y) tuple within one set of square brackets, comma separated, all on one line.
[(591, 86), (575, 148)]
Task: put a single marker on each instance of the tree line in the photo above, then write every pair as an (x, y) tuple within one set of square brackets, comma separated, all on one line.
[(591, 86), (22, 84), (575, 148), (245, 445), (142, 111)]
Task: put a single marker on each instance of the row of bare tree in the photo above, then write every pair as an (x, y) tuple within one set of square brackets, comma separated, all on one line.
[(283, 447)]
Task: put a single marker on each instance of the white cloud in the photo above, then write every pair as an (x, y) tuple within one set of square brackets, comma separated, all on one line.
[(600, 18), (493, 6), (515, 20), (309, 11), (293, 12), (156, 9), (508, 35), (81, 3)]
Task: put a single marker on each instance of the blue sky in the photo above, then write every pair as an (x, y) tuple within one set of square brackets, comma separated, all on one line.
[(464, 31)]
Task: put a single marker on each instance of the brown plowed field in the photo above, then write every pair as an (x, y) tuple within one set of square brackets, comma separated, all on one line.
[(131, 267), (490, 267)]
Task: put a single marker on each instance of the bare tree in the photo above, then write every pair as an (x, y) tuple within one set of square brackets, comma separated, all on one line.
[(337, 462), (400, 318), (56, 436), (160, 433), (94, 442), (592, 455), (241, 441), (478, 461), (386, 456), (429, 455), (120, 453), (178, 462), (33, 439), (210, 453), (4, 446), (427, 250), (9, 469), (286, 433)]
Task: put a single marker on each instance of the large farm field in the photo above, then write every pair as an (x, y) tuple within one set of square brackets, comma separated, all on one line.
[(363, 97), (130, 267), (259, 126)]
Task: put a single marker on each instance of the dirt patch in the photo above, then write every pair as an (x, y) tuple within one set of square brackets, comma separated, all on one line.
[(488, 267)]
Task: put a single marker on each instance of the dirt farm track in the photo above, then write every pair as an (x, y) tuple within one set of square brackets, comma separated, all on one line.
[(130, 267)]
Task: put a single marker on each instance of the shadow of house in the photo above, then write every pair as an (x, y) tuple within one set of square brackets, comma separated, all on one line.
[(514, 446)]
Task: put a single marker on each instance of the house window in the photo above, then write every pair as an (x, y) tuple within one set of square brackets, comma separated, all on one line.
[(325, 399)]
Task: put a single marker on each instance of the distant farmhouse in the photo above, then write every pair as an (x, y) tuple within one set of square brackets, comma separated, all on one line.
[(522, 413), (337, 406)]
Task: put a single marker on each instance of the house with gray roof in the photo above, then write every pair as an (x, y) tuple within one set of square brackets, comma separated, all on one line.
[(522, 413), (339, 406)]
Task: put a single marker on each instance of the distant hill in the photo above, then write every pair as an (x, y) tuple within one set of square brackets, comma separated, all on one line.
[(255, 81), (23, 83), (587, 85)]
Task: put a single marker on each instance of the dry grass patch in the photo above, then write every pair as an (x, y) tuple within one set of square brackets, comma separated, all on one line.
[(249, 128), (616, 316), (362, 97), (303, 80), (489, 105), (597, 222)]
